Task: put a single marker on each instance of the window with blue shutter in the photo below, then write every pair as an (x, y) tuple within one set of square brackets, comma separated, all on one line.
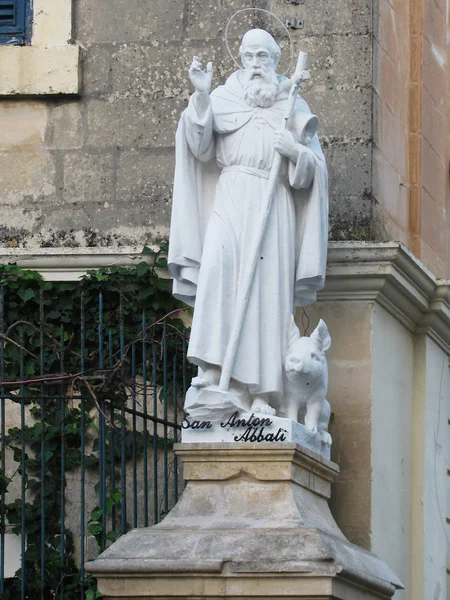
[(15, 20)]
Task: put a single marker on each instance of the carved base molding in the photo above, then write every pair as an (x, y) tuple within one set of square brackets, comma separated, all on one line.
[(253, 522)]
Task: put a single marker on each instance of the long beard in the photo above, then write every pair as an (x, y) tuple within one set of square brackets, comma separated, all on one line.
[(260, 91)]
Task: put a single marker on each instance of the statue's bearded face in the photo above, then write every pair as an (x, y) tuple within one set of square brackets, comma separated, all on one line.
[(259, 79)]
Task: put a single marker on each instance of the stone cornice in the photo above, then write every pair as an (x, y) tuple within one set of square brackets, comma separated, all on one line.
[(69, 264), (389, 274), (386, 273)]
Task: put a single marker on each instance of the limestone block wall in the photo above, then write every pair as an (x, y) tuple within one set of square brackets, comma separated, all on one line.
[(411, 126), (97, 169)]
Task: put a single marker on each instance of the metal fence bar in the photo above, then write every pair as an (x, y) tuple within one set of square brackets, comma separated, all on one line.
[(62, 415), (112, 453), (22, 464), (166, 458), (144, 409), (175, 431), (102, 429), (41, 372), (82, 445), (123, 470), (134, 439), (2, 444), (155, 437)]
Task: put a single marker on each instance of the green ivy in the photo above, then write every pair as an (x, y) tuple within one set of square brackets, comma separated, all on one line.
[(44, 346)]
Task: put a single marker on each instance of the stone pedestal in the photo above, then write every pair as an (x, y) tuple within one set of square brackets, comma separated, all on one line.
[(253, 522)]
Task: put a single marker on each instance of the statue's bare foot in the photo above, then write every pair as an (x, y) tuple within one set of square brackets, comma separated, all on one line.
[(206, 378), (259, 405)]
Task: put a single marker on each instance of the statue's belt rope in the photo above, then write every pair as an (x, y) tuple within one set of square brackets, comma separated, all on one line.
[(249, 170)]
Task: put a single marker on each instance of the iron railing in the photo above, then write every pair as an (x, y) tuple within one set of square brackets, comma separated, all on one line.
[(87, 425)]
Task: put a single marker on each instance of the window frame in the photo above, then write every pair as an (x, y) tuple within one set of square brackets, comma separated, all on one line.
[(20, 33), (50, 63)]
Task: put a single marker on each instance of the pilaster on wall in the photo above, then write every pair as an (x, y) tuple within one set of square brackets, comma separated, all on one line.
[(389, 320)]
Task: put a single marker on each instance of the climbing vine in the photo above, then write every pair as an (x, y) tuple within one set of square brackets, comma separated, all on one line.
[(58, 344)]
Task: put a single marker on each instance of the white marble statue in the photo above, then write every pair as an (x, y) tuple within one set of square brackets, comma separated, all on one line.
[(226, 144)]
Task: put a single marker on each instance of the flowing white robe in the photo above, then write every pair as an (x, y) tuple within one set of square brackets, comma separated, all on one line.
[(239, 140)]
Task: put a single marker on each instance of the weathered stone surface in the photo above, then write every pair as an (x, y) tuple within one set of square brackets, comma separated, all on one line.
[(88, 178), (30, 218), (128, 20), (325, 18), (351, 219), (338, 62), (144, 189), (351, 200), (349, 167), (30, 178), (137, 123), (97, 72), (65, 130), (355, 122), (100, 116), (161, 115), (207, 20), (22, 126), (159, 70)]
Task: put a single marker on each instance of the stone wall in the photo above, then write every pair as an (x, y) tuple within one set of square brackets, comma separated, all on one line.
[(97, 169), (411, 127)]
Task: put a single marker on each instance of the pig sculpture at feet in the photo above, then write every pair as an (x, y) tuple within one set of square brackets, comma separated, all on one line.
[(306, 382)]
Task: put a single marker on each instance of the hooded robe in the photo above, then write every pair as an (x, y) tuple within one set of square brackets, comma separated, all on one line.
[(223, 161)]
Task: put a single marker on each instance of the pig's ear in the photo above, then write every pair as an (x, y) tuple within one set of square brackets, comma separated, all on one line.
[(321, 337), (293, 332)]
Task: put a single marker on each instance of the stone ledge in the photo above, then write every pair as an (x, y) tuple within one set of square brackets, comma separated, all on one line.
[(69, 264), (31, 70)]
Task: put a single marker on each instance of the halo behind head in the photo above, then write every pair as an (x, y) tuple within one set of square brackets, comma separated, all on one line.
[(265, 12), (262, 38)]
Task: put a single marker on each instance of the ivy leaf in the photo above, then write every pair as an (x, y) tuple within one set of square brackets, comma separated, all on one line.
[(96, 514), (53, 314), (145, 293), (95, 528), (141, 269), (112, 536), (162, 262), (116, 496), (92, 594), (25, 294)]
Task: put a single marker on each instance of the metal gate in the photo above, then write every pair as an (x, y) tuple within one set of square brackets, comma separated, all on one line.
[(88, 419)]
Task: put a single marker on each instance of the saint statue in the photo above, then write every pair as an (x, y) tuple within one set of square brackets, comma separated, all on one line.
[(225, 147)]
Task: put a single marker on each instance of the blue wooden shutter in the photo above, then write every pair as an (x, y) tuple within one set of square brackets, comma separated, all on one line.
[(15, 18)]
